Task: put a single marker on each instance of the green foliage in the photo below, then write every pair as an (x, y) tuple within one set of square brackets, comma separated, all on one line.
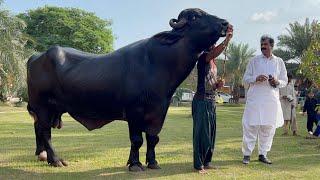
[(238, 56), (293, 68), (71, 27), (298, 39), (13, 55), (310, 67), (103, 153), (284, 54)]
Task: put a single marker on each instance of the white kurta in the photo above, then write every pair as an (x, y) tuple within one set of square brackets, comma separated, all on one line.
[(263, 104), (289, 92), (263, 113)]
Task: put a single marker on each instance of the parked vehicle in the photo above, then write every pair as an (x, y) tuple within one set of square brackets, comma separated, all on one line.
[(222, 97), (182, 95)]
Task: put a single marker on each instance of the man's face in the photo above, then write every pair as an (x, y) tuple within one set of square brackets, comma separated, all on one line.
[(311, 95), (266, 47)]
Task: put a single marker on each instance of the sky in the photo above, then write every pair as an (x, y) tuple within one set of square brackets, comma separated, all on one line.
[(138, 19)]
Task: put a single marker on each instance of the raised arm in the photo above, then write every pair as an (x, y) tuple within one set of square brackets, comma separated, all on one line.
[(216, 51)]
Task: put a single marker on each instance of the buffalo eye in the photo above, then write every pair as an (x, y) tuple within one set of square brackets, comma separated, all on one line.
[(193, 18)]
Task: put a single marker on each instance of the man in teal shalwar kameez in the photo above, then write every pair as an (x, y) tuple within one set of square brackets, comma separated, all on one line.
[(203, 106)]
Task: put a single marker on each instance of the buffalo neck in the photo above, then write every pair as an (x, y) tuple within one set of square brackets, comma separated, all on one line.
[(182, 61)]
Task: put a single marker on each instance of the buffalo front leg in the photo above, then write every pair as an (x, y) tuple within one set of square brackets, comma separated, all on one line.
[(136, 142), (152, 141)]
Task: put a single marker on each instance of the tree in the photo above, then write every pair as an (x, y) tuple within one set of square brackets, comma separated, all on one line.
[(284, 54), (310, 66), (298, 39), (238, 57), (13, 55), (72, 27)]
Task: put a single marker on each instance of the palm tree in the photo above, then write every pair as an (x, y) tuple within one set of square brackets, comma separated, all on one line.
[(13, 55), (295, 44), (298, 39), (238, 57)]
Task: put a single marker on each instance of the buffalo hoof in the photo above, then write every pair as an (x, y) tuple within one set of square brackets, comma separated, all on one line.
[(59, 163), (153, 166), (60, 125), (42, 156), (136, 168)]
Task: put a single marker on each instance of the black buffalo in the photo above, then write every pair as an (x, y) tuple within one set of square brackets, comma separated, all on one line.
[(134, 83)]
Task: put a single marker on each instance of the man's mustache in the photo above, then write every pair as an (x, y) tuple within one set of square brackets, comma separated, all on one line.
[(263, 49)]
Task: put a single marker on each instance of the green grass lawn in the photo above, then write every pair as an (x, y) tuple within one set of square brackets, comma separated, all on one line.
[(103, 153)]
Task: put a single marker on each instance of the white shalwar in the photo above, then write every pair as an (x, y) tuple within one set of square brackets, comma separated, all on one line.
[(263, 113)]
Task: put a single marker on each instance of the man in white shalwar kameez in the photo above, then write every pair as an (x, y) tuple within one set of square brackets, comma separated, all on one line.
[(265, 74)]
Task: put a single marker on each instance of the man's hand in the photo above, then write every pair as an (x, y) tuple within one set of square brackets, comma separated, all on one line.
[(273, 82), (229, 33), (215, 51), (261, 78), (220, 83)]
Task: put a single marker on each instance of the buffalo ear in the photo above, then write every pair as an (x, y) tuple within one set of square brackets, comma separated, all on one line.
[(168, 37)]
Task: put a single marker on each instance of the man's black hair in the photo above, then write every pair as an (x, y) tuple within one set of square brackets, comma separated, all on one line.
[(267, 37)]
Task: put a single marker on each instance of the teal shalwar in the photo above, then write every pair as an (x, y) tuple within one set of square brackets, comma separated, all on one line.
[(204, 115)]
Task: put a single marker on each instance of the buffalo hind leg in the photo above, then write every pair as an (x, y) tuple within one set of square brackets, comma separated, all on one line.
[(43, 132), (151, 161), (136, 142)]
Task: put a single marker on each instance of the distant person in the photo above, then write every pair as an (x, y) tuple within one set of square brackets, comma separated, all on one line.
[(310, 108), (316, 133), (317, 95), (288, 101)]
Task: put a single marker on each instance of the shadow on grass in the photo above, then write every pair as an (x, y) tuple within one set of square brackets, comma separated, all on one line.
[(299, 163), (110, 173)]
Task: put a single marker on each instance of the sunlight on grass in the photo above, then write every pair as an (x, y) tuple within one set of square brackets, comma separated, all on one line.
[(103, 153)]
